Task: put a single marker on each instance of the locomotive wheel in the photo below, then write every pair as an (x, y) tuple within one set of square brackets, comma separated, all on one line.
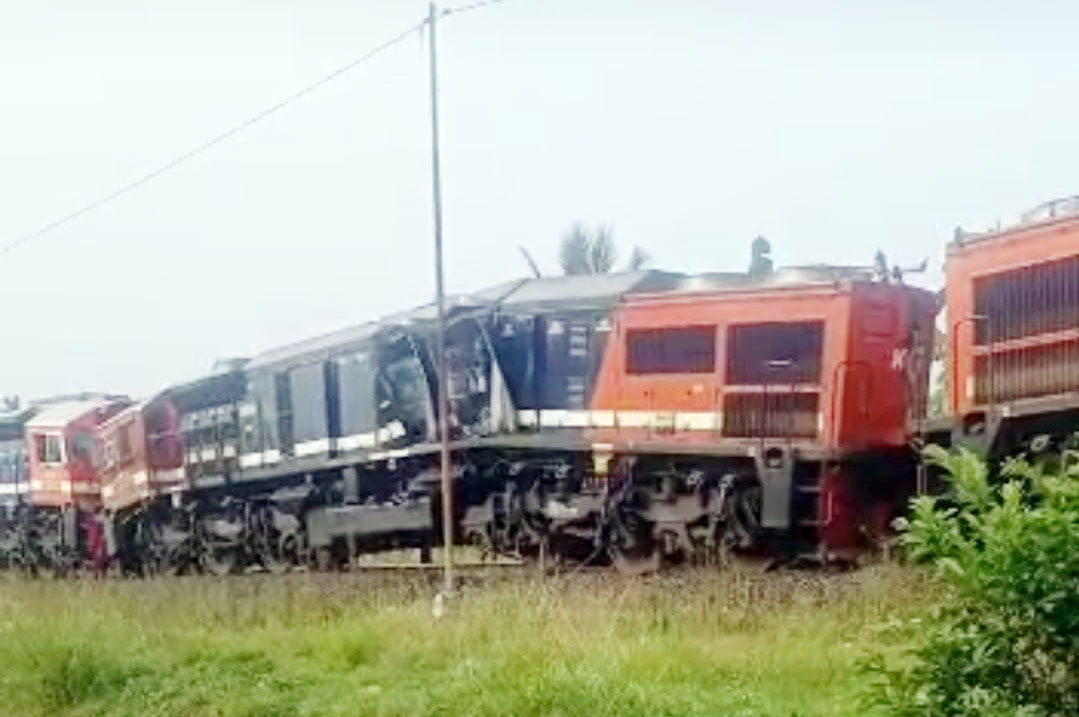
[(275, 550), (481, 540), (275, 556), (151, 569), (116, 569), (160, 564), (274, 565), (59, 565), (221, 560), (635, 553), (637, 560), (69, 565), (20, 564), (740, 543), (633, 549), (324, 560)]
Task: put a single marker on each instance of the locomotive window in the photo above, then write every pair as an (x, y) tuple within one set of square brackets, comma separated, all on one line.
[(407, 381), (82, 446), (775, 353), (356, 386), (308, 393), (123, 443), (49, 448), (689, 349), (11, 459)]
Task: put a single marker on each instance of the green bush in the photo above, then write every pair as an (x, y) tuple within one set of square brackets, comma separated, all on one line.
[(1006, 639)]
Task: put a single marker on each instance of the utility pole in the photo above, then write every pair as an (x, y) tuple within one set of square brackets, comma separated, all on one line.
[(440, 297)]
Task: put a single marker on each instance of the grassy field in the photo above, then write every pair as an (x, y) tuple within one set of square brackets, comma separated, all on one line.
[(367, 644)]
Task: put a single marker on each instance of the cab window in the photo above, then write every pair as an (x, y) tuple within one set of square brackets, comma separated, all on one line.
[(49, 448)]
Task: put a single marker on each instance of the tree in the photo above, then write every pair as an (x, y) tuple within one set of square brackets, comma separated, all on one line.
[(585, 251), (588, 252), (602, 251), (576, 252)]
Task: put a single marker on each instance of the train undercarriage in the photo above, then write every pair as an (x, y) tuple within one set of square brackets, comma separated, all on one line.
[(634, 514), (635, 522), (45, 541)]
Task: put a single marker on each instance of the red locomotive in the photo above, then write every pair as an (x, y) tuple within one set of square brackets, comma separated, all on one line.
[(689, 416), (63, 440), (141, 455), (54, 524), (805, 385)]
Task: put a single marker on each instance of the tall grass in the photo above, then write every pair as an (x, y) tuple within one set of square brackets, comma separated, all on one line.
[(693, 644)]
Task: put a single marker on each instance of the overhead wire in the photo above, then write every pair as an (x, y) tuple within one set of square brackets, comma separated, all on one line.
[(236, 129), (470, 6), (213, 142)]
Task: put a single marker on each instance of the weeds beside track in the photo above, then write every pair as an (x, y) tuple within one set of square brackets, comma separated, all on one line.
[(366, 643)]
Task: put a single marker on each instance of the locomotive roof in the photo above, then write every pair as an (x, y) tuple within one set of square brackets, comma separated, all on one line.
[(15, 416), (1057, 211), (354, 338), (818, 273), (211, 390), (58, 415), (783, 278), (793, 285), (584, 290), (340, 340), (122, 414), (12, 422)]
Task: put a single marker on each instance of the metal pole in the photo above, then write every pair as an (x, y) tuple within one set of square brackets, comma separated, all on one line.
[(443, 399)]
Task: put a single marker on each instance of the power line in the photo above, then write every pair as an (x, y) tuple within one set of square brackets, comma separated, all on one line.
[(470, 6), (216, 140), (228, 134)]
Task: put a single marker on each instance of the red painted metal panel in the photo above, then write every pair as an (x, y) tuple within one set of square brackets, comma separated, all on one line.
[(859, 391), (1013, 314), (141, 456)]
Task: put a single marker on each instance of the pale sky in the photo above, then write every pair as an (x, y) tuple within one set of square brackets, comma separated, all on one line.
[(690, 127)]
